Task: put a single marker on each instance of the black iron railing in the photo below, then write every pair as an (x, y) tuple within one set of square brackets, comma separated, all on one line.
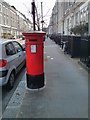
[(85, 50), (76, 46)]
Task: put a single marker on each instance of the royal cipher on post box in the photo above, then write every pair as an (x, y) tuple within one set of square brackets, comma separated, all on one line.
[(34, 42)]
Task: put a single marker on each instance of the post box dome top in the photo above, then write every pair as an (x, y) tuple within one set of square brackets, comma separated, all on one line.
[(34, 33)]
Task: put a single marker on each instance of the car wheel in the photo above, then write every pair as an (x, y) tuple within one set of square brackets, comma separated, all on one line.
[(11, 81)]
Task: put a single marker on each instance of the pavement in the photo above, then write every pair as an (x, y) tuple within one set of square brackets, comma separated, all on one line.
[(65, 94)]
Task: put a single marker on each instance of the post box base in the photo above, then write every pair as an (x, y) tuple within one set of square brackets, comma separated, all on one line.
[(35, 81)]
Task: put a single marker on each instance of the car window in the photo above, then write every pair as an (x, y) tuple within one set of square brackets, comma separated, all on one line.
[(17, 46), (10, 50)]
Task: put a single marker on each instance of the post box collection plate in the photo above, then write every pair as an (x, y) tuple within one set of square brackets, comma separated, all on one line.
[(33, 48)]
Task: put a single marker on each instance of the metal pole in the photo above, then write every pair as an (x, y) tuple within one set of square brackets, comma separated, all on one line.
[(57, 15), (42, 15), (89, 18), (38, 25), (33, 13), (63, 16)]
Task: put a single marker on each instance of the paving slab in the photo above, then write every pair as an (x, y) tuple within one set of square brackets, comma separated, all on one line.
[(66, 92)]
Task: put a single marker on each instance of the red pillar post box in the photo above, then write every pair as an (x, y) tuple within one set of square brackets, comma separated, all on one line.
[(34, 59)]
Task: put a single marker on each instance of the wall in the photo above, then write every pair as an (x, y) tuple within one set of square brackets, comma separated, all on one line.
[(67, 16), (12, 21)]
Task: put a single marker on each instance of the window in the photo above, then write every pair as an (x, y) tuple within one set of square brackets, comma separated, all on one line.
[(72, 21), (75, 1), (0, 8), (7, 20), (68, 21), (18, 47), (0, 19), (4, 20), (4, 9), (10, 50), (77, 18)]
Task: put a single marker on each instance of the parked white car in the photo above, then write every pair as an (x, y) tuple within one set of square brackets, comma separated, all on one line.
[(12, 59)]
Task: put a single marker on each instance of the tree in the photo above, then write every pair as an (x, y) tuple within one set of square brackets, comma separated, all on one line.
[(80, 29)]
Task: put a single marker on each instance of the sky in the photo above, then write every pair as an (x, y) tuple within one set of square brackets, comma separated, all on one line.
[(24, 6)]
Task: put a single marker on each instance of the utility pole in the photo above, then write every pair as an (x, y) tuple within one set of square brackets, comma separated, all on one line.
[(33, 13), (38, 25), (63, 15), (42, 15), (57, 17), (89, 18)]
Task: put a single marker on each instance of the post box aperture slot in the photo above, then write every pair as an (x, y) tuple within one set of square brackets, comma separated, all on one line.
[(32, 40)]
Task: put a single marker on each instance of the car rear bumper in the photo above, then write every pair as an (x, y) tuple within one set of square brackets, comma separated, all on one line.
[(3, 76), (3, 73), (3, 81)]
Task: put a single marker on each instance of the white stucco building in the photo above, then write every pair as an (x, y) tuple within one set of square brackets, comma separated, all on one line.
[(67, 14), (12, 22)]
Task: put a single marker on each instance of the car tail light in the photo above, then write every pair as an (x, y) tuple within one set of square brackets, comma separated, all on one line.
[(3, 63)]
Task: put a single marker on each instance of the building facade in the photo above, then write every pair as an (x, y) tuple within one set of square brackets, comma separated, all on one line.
[(12, 22), (70, 13)]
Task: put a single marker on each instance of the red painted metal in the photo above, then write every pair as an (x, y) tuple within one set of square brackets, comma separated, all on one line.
[(34, 59)]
